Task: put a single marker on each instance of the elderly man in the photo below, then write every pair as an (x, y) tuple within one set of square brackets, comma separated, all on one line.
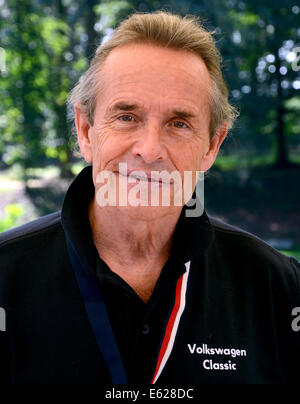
[(121, 287)]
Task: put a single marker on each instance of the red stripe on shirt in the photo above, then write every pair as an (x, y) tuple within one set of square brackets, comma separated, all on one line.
[(169, 326)]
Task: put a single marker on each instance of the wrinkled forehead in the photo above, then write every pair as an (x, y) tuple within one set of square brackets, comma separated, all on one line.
[(155, 70)]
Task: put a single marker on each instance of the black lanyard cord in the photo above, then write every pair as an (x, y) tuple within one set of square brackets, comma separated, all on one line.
[(98, 318)]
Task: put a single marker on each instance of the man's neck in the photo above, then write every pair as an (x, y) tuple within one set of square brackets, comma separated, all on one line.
[(133, 247)]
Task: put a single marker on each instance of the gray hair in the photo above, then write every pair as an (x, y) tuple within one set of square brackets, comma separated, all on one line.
[(167, 30)]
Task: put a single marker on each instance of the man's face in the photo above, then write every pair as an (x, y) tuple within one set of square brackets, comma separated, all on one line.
[(153, 113)]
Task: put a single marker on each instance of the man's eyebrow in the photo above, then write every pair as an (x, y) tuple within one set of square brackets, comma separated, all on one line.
[(183, 114), (125, 106)]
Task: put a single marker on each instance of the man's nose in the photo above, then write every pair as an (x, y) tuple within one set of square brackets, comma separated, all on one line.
[(149, 146)]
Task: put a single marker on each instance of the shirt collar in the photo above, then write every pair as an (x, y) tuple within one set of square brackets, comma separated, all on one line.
[(75, 218), (191, 237)]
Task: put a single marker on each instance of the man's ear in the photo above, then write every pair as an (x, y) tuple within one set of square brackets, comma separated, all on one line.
[(83, 133), (213, 148)]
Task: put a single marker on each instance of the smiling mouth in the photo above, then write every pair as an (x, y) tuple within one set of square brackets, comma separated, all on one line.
[(149, 179), (142, 178)]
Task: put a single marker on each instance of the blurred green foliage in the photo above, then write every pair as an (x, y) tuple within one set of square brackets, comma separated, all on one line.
[(48, 45), (13, 213)]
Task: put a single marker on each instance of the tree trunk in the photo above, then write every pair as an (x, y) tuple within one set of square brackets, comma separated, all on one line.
[(282, 160), (24, 107), (90, 21), (60, 110)]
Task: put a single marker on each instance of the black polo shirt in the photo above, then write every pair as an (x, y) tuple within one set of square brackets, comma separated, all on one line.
[(236, 325), (138, 327)]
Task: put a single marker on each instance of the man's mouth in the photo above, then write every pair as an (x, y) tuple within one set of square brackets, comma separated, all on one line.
[(145, 178)]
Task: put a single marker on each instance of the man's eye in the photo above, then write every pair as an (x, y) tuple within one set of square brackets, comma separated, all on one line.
[(180, 124), (126, 118)]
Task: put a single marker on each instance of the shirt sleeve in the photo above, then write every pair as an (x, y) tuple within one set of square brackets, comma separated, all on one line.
[(5, 360), (293, 375)]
